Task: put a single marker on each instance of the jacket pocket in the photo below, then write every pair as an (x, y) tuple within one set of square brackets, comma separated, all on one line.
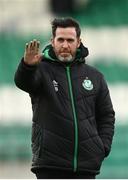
[(97, 140), (91, 153)]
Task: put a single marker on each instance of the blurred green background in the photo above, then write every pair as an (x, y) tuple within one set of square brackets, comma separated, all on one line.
[(104, 26)]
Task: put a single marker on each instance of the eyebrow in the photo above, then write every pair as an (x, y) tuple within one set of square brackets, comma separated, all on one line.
[(68, 39)]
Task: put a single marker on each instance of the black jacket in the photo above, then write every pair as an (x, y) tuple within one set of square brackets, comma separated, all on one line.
[(73, 117)]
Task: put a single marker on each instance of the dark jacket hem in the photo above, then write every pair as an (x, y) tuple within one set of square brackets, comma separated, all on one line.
[(36, 169)]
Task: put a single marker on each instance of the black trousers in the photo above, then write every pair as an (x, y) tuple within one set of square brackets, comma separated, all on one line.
[(60, 174)]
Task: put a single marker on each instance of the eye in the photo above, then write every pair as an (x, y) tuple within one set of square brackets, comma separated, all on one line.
[(70, 40), (60, 39)]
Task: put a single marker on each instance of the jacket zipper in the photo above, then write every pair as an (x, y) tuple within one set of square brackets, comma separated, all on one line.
[(75, 119)]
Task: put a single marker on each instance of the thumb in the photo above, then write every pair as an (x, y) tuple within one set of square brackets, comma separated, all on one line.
[(39, 57)]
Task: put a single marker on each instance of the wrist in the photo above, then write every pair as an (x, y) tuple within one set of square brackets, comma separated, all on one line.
[(28, 66)]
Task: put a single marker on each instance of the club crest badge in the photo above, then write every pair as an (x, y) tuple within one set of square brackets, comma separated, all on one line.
[(87, 84)]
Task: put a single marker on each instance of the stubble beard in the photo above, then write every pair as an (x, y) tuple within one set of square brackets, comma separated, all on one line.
[(66, 59)]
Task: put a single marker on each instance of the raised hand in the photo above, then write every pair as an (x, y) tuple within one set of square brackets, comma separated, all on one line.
[(32, 55)]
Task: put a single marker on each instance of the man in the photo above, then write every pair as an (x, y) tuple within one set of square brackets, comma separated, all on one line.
[(73, 117)]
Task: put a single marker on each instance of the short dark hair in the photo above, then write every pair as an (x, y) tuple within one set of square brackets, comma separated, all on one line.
[(64, 23)]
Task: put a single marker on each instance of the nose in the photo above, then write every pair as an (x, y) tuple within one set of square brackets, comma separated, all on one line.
[(65, 44)]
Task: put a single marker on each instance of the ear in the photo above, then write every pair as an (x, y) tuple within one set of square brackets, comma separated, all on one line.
[(52, 42), (79, 41)]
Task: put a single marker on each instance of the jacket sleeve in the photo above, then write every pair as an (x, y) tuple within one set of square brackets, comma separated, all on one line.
[(27, 77), (105, 116)]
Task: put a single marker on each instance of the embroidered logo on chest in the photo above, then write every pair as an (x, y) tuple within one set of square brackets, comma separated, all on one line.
[(87, 84), (55, 84)]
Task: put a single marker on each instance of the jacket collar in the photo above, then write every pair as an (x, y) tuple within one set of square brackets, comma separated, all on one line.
[(49, 54)]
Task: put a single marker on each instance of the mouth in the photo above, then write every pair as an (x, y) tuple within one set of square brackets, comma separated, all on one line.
[(65, 54)]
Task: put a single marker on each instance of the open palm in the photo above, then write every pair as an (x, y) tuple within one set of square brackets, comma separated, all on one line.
[(32, 55)]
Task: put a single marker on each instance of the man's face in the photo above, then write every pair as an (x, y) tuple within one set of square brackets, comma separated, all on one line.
[(65, 43)]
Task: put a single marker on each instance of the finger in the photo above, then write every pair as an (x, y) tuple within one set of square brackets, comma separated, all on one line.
[(34, 42), (31, 45), (36, 46), (39, 57), (26, 46)]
